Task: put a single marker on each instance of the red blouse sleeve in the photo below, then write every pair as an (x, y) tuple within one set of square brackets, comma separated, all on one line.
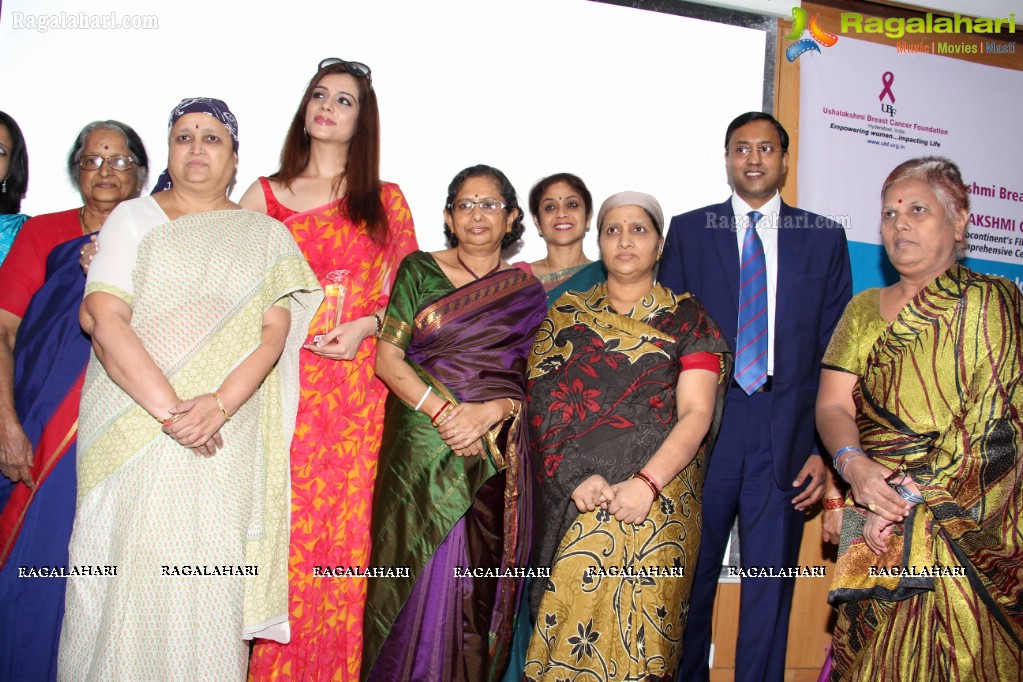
[(708, 361), (24, 269)]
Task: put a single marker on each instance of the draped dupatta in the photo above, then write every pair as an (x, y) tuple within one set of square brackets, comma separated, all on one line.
[(50, 359)]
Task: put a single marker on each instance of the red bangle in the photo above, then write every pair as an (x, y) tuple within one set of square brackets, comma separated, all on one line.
[(833, 503), (433, 419), (649, 477), (646, 479)]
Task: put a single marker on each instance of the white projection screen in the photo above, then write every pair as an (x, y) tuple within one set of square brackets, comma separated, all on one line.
[(626, 98)]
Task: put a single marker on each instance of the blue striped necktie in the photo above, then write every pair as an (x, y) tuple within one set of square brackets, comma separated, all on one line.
[(751, 342)]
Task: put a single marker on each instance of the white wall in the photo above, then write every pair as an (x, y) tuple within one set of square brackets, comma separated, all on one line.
[(625, 98)]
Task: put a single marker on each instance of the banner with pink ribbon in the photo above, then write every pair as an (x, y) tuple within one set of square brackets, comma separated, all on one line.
[(867, 107)]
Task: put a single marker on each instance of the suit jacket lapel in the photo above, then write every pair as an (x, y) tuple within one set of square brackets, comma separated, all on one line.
[(728, 251), (786, 275)]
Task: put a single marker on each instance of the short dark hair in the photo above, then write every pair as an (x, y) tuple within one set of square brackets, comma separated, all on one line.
[(749, 117), (573, 181), (508, 196), (135, 148), (17, 172)]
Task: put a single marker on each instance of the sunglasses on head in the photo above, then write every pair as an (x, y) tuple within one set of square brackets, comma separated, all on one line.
[(355, 68)]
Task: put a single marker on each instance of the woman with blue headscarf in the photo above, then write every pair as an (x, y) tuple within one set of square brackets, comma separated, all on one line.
[(196, 309)]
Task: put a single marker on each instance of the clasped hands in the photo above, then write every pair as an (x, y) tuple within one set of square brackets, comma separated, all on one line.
[(629, 501), (873, 487), (195, 423), (462, 427)]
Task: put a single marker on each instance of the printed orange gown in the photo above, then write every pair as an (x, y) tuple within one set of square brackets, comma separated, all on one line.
[(334, 450)]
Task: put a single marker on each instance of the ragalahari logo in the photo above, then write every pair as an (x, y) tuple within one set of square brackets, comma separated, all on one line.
[(817, 35)]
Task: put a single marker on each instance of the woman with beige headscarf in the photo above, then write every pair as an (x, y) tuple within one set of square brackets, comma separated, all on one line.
[(625, 391)]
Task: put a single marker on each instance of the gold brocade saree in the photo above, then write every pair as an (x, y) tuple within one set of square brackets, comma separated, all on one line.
[(942, 389), (601, 400)]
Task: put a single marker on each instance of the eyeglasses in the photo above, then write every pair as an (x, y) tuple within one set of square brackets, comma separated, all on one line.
[(763, 149), (486, 205), (118, 162), (355, 68)]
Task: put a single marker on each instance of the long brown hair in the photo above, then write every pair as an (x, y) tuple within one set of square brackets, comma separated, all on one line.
[(362, 168)]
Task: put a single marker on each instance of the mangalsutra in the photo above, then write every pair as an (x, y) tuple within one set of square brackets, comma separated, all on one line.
[(461, 262), (81, 221)]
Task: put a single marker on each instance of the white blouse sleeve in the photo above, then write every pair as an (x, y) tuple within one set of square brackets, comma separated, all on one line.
[(111, 270)]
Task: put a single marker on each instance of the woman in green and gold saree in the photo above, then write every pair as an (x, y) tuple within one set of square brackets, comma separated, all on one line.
[(451, 501), (921, 404), (625, 391), (196, 310)]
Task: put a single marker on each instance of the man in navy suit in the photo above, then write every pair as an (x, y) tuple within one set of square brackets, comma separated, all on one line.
[(764, 467)]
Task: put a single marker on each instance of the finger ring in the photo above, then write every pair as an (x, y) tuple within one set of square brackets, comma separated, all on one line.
[(82, 252), (455, 432), (871, 506)]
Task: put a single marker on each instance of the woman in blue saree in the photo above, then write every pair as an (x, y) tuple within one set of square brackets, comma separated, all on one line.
[(452, 503), (49, 359)]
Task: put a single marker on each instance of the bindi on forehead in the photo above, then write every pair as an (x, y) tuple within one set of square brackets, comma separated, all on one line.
[(900, 201)]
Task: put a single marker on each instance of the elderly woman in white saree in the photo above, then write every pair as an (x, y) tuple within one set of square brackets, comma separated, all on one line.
[(196, 309)]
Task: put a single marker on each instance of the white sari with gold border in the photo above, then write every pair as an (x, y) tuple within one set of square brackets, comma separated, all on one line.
[(200, 544)]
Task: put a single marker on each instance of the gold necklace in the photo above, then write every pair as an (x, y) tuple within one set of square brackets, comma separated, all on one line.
[(551, 272), (81, 221)]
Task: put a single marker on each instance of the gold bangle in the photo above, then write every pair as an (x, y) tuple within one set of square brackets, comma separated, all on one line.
[(833, 503), (223, 409), (513, 412)]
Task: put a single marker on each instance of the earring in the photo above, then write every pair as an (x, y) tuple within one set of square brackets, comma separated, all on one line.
[(3, 190), (305, 132)]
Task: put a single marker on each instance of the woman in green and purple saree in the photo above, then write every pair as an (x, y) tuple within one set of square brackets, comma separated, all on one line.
[(451, 502)]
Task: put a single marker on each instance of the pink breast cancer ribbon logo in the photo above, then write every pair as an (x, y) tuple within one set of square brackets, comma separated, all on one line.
[(886, 80), (818, 36)]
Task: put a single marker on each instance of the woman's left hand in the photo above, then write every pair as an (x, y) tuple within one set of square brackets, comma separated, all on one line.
[(343, 341), (199, 422), (869, 483), (466, 424), (87, 253), (633, 501), (876, 532)]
